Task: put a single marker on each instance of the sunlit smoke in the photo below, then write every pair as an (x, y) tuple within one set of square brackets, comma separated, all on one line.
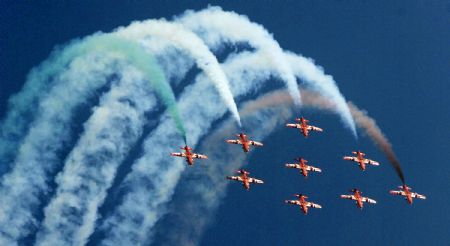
[(183, 38)]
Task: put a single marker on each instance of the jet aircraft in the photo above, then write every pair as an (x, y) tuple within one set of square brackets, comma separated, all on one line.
[(358, 198), (244, 142), (245, 179), (304, 127), (406, 192), (304, 168), (301, 201), (189, 155), (359, 158)]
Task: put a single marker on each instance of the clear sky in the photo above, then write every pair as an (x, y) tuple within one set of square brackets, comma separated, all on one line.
[(390, 58)]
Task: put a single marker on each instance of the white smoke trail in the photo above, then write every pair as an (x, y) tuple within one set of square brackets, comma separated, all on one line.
[(217, 27), (185, 39), (38, 155), (144, 204), (320, 82), (21, 107), (21, 188), (207, 190), (200, 194), (153, 178), (111, 131)]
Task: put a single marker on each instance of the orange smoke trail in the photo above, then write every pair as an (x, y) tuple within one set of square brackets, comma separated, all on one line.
[(370, 126), (311, 99)]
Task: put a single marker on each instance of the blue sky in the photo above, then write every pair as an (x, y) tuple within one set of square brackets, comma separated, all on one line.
[(388, 57)]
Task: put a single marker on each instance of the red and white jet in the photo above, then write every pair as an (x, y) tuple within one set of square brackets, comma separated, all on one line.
[(358, 198), (245, 179), (304, 127), (359, 158), (189, 155), (406, 192), (244, 142), (304, 205), (303, 167)]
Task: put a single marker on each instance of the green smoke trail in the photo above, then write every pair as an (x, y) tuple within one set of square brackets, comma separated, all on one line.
[(142, 60)]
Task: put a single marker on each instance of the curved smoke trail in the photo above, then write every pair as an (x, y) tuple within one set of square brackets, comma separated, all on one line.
[(217, 27), (206, 187), (363, 121), (381, 141), (70, 217), (21, 107), (185, 39), (50, 132), (143, 205), (113, 128)]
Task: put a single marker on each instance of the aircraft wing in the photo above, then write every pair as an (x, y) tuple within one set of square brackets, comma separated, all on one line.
[(256, 181), (198, 156), (371, 162), (314, 205), (237, 178), (397, 192), (366, 199), (178, 154), (315, 169), (417, 195), (295, 202), (350, 158), (293, 165), (315, 128), (352, 197), (234, 141), (293, 125), (254, 143)]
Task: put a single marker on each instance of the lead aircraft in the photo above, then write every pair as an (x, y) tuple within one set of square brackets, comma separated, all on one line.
[(189, 155)]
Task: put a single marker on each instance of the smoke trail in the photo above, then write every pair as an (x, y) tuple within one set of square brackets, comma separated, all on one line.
[(217, 27), (111, 131), (151, 183), (21, 108), (205, 188), (49, 134), (200, 195), (185, 39), (143, 205), (147, 65), (377, 136), (363, 121)]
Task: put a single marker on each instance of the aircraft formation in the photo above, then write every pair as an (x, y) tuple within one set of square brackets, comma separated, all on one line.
[(304, 168)]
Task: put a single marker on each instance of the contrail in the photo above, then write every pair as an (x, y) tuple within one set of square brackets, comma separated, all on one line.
[(151, 183), (373, 130), (187, 40), (363, 121), (37, 157), (218, 27), (144, 204), (200, 194), (193, 207), (111, 131)]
